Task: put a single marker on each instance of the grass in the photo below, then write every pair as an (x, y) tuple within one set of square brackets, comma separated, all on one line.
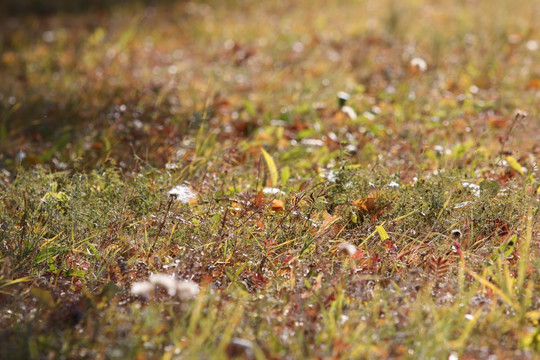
[(429, 174)]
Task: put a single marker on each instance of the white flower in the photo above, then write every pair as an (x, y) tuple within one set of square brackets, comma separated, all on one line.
[(187, 289), (142, 288), (330, 175), (182, 193), (165, 281), (347, 248)]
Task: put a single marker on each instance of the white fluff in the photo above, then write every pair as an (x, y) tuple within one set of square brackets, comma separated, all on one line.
[(350, 249), (142, 288), (187, 289), (184, 289), (419, 63), (182, 193), (165, 281)]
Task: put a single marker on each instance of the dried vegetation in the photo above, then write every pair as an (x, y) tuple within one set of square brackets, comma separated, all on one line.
[(224, 179)]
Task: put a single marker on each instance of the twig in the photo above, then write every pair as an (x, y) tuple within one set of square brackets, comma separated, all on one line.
[(171, 200), (519, 115)]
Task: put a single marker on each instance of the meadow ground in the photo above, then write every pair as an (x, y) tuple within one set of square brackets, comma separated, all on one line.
[(313, 179)]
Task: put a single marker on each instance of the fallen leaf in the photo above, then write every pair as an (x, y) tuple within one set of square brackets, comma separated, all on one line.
[(260, 224), (534, 84), (328, 221), (236, 209), (278, 205), (367, 204), (258, 201)]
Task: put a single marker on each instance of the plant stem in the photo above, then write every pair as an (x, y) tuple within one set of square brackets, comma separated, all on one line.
[(171, 200)]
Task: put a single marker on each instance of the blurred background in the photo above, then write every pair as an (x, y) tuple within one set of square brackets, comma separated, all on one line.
[(39, 7), (86, 82)]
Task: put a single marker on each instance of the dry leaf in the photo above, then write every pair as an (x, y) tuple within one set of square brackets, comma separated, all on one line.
[(278, 205), (236, 209), (259, 199), (260, 224), (367, 204), (534, 84), (382, 232), (328, 221)]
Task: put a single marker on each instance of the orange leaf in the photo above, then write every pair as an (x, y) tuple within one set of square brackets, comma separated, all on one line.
[(278, 205), (534, 84), (259, 200), (236, 209), (260, 224), (327, 223), (497, 122), (367, 204)]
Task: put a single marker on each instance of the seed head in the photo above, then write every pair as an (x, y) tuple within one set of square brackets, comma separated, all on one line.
[(187, 289), (347, 248), (165, 281), (142, 288)]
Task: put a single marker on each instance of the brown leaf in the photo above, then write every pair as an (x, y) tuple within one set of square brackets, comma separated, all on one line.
[(367, 204), (236, 208), (260, 224), (327, 223), (259, 200), (278, 205), (534, 84)]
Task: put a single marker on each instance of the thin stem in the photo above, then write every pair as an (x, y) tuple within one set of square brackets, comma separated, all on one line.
[(171, 200), (520, 115)]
